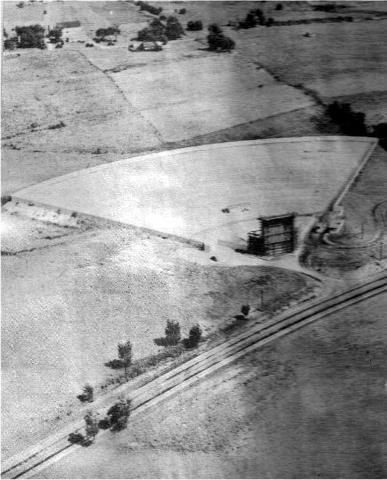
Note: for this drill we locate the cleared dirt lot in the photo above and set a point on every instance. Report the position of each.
(169, 192)
(312, 405)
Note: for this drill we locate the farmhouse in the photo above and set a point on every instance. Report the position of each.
(71, 30)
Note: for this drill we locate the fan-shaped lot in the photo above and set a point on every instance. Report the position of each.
(185, 192)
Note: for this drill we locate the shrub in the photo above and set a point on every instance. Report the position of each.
(105, 32)
(253, 18)
(115, 364)
(279, 6)
(87, 395)
(182, 11)
(326, 7)
(76, 438)
(5, 199)
(104, 424)
(57, 125)
(215, 29)
(195, 25)
(195, 335)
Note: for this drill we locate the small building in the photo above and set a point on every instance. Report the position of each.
(145, 47)
(276, 236)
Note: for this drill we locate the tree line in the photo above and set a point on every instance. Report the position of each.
(353, 123)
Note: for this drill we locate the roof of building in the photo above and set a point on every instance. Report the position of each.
(70, 24)
(277, 217)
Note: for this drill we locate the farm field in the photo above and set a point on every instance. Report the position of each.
(40, 92)
(333, 62)
(310, 405)
(169, 192)
(95, 130)
(99, 96)
(205, 94)
(68, 298)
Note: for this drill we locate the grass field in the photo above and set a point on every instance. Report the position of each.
(183, 192)
(68, 298)
(312, 405)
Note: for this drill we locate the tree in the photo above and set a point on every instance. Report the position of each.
(245, 310)
(31, 36)
(125, 354)
(195, 25)
(149, 8)
(350, 122)
(55, 35)
(174, 28)
(380, 130)
(249, 22)
(91, 427)
(10, 43)
(220, 43)
(172, 333)
(194, 337)
(119, 414)
(214, 29)
(279, 6)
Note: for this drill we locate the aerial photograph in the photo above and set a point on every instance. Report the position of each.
(193, 239)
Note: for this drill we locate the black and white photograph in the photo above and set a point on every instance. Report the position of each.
(193, 239)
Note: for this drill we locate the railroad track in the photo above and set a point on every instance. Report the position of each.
(35, 459)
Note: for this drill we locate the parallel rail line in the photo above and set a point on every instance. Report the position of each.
(37, 458)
